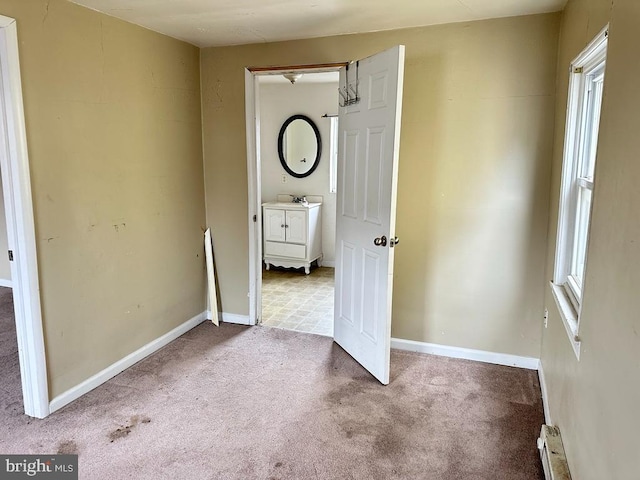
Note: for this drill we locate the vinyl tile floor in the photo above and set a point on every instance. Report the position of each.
(295, 301)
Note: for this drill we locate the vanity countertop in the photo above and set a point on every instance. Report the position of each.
(290, 205)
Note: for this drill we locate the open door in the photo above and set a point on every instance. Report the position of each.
(369, 140)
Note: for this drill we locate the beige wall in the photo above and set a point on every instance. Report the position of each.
(595, 400)
(475, 154)
(113, 128)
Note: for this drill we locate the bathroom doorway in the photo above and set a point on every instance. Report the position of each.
(297, 271)
(370, 114)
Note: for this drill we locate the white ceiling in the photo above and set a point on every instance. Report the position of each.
(208, 23)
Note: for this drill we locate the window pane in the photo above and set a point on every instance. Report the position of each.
(597, 85)
(580, 237)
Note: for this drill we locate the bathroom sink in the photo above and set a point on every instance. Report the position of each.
(289, 204)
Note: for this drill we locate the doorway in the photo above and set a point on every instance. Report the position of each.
(297, 293)
(370, 113)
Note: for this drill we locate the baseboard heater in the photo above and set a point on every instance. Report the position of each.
(554, 461)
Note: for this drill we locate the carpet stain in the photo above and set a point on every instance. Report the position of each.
(344, 392)
(334, 360)
(278, 464)
(388, 444)
(454, 464)
(125, 430)
(68, 447)
(363, 413)
(136, 419)
(119, 433)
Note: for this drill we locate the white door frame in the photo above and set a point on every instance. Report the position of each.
(16, 184)
(252, 111)
(253, 176)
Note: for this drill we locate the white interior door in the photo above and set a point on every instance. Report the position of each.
(369, 138)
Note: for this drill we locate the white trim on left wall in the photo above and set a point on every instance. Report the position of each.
(6, 283)
(111, 371)
(21, 235)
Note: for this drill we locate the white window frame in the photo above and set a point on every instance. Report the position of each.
(586, 77)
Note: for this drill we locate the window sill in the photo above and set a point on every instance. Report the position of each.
(569, 316)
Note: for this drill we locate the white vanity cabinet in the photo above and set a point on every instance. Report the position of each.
(292, 234)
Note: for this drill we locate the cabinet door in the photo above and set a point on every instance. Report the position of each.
(296, 226)
(274, 222)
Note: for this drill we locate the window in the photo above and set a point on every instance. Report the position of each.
(578, 169)
(333, 156)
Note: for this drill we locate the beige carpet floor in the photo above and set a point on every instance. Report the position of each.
(263, 403)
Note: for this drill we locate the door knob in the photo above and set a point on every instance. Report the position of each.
(394, 241)
(380, 241)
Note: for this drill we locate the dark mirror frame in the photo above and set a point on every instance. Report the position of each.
(283, 160)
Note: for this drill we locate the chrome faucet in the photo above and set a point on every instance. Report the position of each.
(297, 199)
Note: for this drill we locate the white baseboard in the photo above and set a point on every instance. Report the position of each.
(121, 365)
(545, 397)
(326, 263)
(235, 318)
(6, 283)
(529, 363)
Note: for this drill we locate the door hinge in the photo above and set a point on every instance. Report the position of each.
(255, 218)
(10, 255)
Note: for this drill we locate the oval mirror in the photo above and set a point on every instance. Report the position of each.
(299, 146)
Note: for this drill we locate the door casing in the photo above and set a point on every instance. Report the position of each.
(252, 113)
(16, 184)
